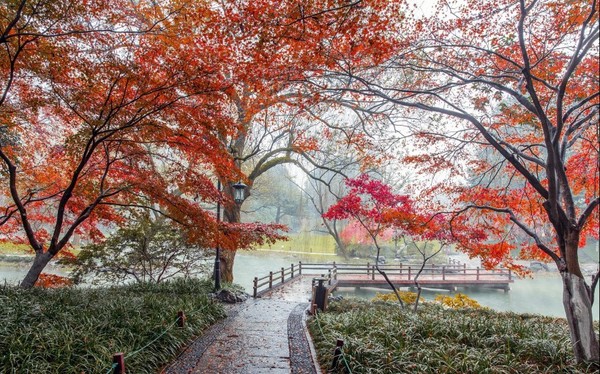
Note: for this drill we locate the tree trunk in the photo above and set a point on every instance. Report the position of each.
(39, 263)
(578, 308)
(227, 258)
(231, 213)
(341, 247)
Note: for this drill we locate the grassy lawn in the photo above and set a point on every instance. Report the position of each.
(77, 330)
(7, 248)
(380, 338)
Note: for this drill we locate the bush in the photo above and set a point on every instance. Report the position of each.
(75, 330)
(459, 301)
(406, 297)
(149, 249)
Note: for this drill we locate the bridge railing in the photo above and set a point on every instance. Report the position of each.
(395, 271)
(409, 271)
(275, 279)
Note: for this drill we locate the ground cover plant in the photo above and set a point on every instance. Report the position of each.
(77, 330)
(381, 338)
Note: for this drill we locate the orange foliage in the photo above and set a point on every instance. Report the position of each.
(512, 137)
(52, 281)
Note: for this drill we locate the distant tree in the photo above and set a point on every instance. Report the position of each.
(321, 190)
(275, 198)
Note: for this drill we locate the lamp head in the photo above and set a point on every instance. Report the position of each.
(239, 190)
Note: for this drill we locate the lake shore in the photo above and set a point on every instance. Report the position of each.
(541, 294)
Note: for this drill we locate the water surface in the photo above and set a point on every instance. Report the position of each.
(541, 294)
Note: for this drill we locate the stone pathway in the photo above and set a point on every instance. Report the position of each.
(265, 335)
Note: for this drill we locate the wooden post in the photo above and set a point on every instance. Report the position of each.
(443, 273)
(336, 354)
(270, 279)
(282, 275)
(409, 269)
(119, 359)
(329, 276)
(465, 268)
(292, 266)
(477, 272)
(255, 288)
(400, 268)
(181, 319)
(368, 269)
(509, 274)
(313, 308)
(299, 267)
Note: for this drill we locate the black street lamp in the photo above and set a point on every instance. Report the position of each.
(238, 196)
(239, 192)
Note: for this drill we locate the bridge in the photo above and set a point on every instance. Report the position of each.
(450, 277)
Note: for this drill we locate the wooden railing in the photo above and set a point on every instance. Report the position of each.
(396, 272)
(409, 271)
(275, 279)
(403, 269)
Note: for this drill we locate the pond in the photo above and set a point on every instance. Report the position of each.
(541, 294)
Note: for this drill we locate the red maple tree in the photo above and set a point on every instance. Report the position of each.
(372, 204)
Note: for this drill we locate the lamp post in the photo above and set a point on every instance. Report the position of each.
(238, 196)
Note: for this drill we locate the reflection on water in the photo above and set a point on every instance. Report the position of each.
(12, 273)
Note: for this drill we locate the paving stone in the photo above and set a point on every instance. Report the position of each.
(265, 335)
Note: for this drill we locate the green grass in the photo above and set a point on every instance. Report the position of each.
(380, 338)
(76, 330)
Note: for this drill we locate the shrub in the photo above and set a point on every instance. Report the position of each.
(53, 281)
(406, 297)
(148, 249)
(458, 301)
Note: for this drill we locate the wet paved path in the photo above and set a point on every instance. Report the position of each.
(265, 335)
